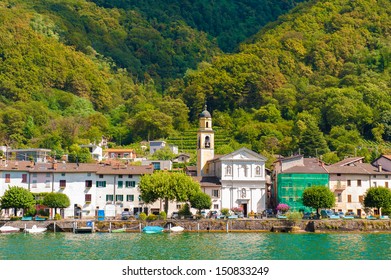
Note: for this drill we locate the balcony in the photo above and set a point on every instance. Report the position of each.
(339, 187)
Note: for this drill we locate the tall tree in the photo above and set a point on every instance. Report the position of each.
(169, 186)
(56, 200)
(318, 197)
(17, 197)
(378, 197)
(201, 201)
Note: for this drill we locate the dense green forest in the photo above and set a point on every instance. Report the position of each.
(315, 81)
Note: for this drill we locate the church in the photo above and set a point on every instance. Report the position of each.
(234, 180)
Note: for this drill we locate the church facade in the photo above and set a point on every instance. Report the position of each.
(234, 180)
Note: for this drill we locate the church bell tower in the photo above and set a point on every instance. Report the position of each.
(205, 143)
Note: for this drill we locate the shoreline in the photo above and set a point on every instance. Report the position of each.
(217, 226)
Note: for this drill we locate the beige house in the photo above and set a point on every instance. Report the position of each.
(349, 179)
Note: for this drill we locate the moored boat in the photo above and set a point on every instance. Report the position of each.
(35, 229)
(153, 229)
(117, 230)
(9, 229)
(176, 229)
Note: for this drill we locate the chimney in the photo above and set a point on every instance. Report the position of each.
(380, 168)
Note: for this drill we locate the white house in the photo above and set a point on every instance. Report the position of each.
(90, 187)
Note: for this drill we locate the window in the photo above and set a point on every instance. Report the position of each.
(339, 197)
(386, 184)
(119, 176)
(34, 175)
(8, 178)
(207, 142)
(119, 197)
(228, 170)
(101, 184)
(130, 176)
(88, 183)
(100, 176)
(129, 197)
(109, 197)
(120, 184)
(375, 184)
(140, 199)
(361, 198)
(47, 184)
(63, 174)
(338, 174)
(89, 174)
(63, 183)
(245, 170)
(156, 165)
(24, 178)
(215, 206)
(358, 183)
(349, 183)
(215, 193)
(130, 184)
(207, 124)
(349, 198)
(87, 198)
(258, 171)
(34, 184)
(47, 175)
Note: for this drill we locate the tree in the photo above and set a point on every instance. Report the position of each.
(168, 186)
(17, 197)
(201, 201)
(56, 200)
(378, 197)
(318, 197)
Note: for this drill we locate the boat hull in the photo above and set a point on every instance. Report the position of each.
(35, 229)
(152, 229)
(177, 229)
(9, 229)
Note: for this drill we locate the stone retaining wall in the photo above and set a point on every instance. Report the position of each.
(262, 225)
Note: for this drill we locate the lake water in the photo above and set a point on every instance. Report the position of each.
(196, 246)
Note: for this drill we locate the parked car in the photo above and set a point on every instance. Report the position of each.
(268, 213)
(175, 215)
(327, 213)
(340, 214)
(309, 216)
(125, 215)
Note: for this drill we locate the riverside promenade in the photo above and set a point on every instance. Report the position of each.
(214, 225)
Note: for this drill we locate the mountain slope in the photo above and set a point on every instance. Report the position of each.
(325, 65)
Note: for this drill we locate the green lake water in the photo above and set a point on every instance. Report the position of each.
(196, 246)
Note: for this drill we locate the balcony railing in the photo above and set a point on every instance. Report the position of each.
(339, 187)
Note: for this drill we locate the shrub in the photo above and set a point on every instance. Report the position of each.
(185, 211)
(282, 207)
(152, 217)
(57, 217)
(142, 216)
(225, 212)
(163, 215)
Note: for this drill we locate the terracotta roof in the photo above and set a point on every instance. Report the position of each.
(311, 165)
(76, 168)
(346, 161)
(357, 168)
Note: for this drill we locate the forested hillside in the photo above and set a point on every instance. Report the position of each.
(315, 81)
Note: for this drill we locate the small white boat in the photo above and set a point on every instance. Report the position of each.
(176, 229)
(35, 229)
(9, 229)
